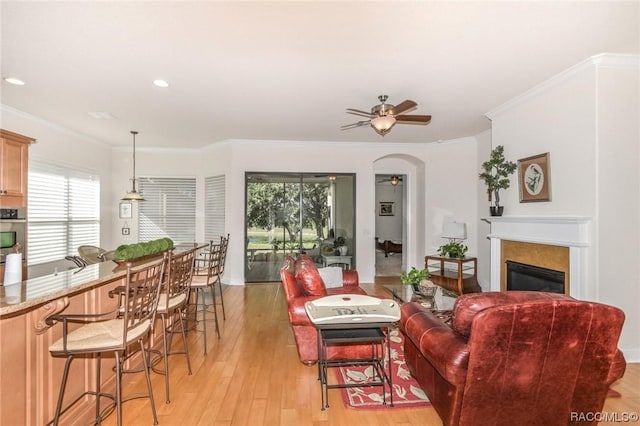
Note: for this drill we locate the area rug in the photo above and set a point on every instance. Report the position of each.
(406, 391)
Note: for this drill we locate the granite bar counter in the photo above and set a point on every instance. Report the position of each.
(33, 293)
(29, 376)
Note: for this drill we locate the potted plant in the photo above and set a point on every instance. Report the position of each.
(453, 249)
(340, 244)
(414, 277)
(496, 176)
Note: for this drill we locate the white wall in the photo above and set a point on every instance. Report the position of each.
(451, 191)
(359, 158)
(587, 118)
(484, 228)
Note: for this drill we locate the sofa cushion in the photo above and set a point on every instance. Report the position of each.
(331, 276)
(287, 275)
(310, 281)
(468, 305)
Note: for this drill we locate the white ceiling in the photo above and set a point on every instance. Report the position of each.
(287, 71)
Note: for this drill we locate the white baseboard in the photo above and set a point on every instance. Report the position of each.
(631, 355)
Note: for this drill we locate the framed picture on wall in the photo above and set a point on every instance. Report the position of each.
(386, 208)
(126, 211)
(534, 180)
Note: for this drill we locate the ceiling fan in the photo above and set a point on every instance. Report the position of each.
(394, 180)
(384, 116)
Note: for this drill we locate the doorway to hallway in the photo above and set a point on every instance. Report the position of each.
(390, 224)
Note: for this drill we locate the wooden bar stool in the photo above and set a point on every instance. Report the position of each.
(206, 275)
(112, 332)
(172, 309)
(224, 244)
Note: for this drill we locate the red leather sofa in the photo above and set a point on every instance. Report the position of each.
(302, 283)
(515, 358)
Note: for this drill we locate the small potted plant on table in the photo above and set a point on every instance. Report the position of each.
(453, 249)
(414, 277)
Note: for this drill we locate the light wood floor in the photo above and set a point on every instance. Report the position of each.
(252, 376)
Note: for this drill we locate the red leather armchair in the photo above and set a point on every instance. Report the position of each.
(515, 358)
(302, 283)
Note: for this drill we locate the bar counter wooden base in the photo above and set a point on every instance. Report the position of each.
(29, 376)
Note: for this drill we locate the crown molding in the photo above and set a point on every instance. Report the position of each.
(602, 60)
(19, 113)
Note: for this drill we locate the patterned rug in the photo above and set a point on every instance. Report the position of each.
(406, 391)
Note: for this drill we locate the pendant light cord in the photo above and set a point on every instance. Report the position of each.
(134, 133)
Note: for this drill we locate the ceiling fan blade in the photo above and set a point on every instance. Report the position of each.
(403, 107)
(357, 111)
(360, 114)
(354, 125)
(413, 119)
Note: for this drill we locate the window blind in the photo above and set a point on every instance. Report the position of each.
(214, 187)
(169, 209)
(63, 212)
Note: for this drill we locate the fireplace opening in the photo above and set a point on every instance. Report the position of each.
(521, 276)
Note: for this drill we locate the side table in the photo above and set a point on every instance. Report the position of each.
(370, 334)
(454, 274)
(345, 261)
(354, 319)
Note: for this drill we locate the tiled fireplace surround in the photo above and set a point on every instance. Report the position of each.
(554, 242)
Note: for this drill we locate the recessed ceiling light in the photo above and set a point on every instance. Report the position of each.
(160, 83)
(14, 80)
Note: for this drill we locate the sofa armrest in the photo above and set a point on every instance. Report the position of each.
(446, 350)
(297, 313)
(618, 366)
(350, 278)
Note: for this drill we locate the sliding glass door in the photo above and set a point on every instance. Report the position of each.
(291, 213)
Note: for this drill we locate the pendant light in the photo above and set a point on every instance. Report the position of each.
(133, 195)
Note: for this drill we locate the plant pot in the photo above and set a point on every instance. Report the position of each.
(343, 250)
(496, 211)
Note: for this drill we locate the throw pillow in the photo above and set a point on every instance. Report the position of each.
(310, 281)
(331, 276)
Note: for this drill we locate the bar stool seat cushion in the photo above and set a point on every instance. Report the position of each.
(173, 302)
(99, 336)
(199, 281)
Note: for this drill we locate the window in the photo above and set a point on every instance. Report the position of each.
(169, 209)
(214, 207)
(64, 212)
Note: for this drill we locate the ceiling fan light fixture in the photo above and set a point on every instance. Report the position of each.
(395, 180)
(133, 195)
(383, 124)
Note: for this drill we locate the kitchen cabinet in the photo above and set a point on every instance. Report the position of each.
(14, 162)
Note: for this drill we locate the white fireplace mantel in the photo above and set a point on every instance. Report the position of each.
(565, 231)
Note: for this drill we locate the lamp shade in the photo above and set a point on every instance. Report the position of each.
(454, 230)
(383, 124)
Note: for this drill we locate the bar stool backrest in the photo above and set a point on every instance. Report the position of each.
(224, 244)
(208, 262)
(179, 273)
(141, 295)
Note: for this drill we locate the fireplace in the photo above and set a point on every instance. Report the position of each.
(560, 243)
(521, 276)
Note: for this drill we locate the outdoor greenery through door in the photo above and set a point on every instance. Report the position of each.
(289, 213)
